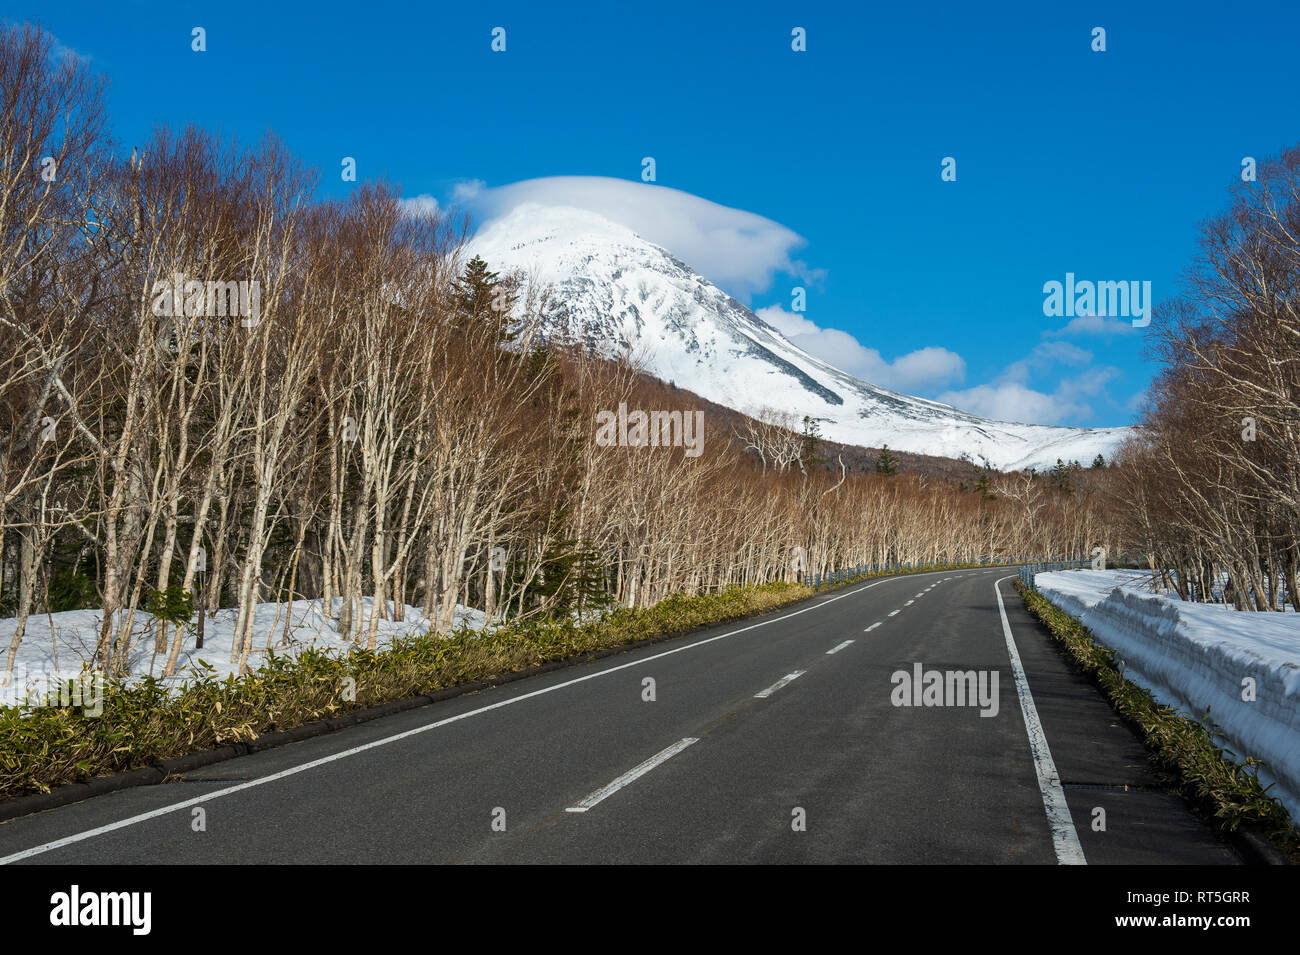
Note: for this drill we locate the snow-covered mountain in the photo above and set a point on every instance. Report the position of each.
(623, 295)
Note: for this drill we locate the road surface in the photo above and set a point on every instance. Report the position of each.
(772, 740)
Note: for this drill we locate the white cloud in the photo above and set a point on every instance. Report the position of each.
(59, 53)
(1094, 325)
(467, 190)
(739, 251)
(927, 368)
(922, 370)
(1137, 403)
(787, 323)
(1044, 356)
(1013, 401)
(1009, 396)
(420, 204)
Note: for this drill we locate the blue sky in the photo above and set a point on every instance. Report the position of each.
(828, 160)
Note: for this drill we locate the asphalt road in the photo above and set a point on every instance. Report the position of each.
(733, 760)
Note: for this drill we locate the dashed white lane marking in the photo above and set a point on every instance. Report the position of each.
(764, 694)
(1065, 840)
(838, 648)
(894, 613)
(633, 774)
(872, 627)
(908, 603)
(406, 734)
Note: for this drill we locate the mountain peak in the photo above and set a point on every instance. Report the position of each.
(618, 294)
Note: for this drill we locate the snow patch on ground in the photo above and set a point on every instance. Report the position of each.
(56, 646)
(1195, 656)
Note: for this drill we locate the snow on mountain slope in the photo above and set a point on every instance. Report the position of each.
(620, 295)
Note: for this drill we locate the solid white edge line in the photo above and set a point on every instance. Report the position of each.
(344, 754)
(838, 648)
(1065, 840)
(764, 694)
(633, 774)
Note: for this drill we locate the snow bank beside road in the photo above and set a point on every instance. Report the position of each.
(46, 654)
(1199, 656)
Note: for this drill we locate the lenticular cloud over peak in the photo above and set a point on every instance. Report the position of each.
(739, 251)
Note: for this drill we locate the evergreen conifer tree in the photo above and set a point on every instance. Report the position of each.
(481, 295)
(886, 463)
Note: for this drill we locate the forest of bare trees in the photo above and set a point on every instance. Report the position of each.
(1212, 481)
(219, 390)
